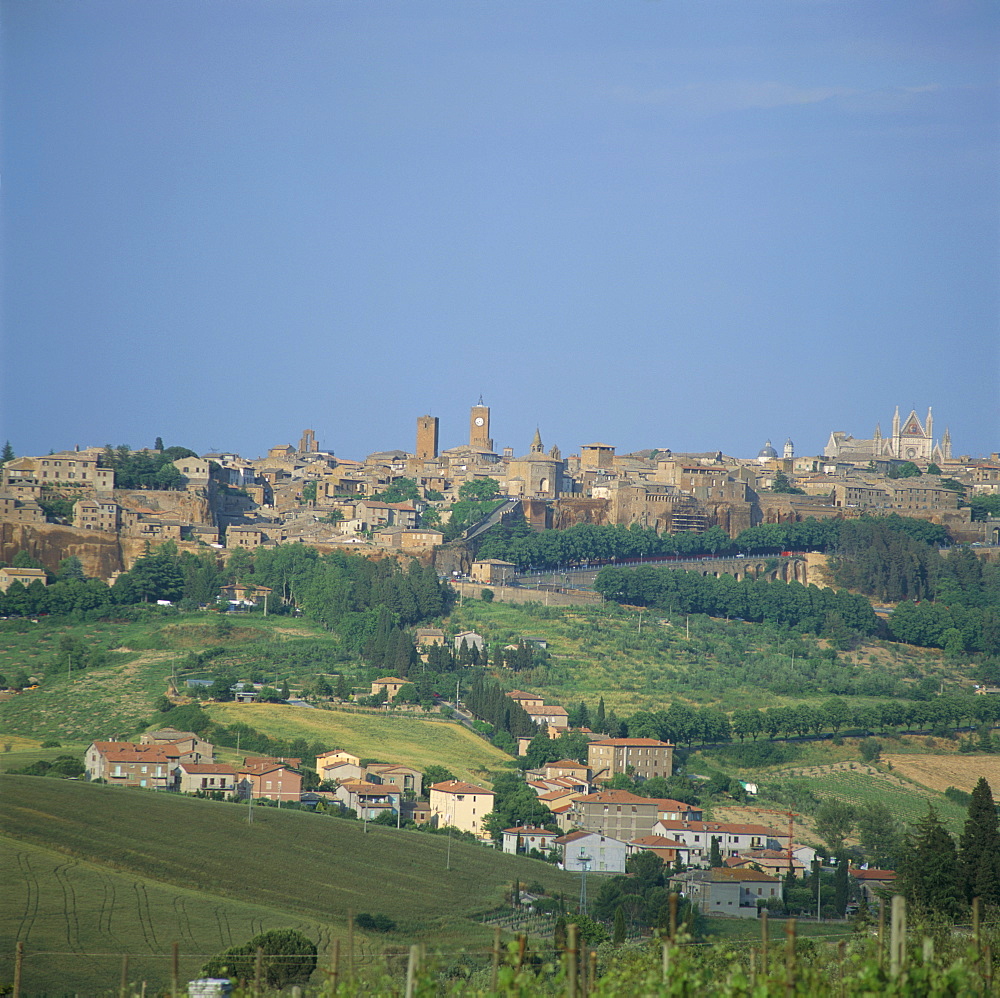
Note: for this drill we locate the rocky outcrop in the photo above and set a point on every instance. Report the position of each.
(188, 507)
(100, 553)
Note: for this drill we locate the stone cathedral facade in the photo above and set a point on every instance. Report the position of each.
(910, 440)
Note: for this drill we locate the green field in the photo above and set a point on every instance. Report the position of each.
(94, 871)
(599, 652)
(390, 738)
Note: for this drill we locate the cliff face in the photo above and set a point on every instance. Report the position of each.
(188, 507)
(101, 553)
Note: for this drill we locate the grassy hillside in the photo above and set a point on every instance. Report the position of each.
(99, 870)
(907, 781)
(601, 652)
(391, 738)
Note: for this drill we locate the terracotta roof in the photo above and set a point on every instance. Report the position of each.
(573, 836)
(630, 741)
(557, 794)
(719, 874)
(363, 787)
(547, 710)
(458, 787)
(565, 764)
(389, 679)
(129, 752)
(657, 841)
(208, 767)
(872, 874)
(531, 830)
(615, 797)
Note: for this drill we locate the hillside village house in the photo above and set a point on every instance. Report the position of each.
(471, 639)
(392, 685)
(124, 764)
(273, 782)
(593, 851)
(641, 757)
(615, 813)
(25, 576)
(733, 839)
(368, 800)
(526, 700)
(408, 781)
(550, 717)
(527, 837)
(427, 637)
(461, 805)
(491, 572)
(207, 777)
(188, 744)
(732, 893)
(669, 850)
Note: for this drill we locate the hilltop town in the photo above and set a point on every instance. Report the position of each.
(355, 597)
(102, 504)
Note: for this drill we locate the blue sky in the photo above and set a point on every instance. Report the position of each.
(653, 224)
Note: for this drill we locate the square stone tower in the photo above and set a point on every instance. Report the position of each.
(479, 427)
(427, 438)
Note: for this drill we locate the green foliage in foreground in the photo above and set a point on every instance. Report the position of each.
(286, 957)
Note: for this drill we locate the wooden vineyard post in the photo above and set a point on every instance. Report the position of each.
(123, 984)
(350, 946)
(763, 942)
(495, 958)
(335, 965)
(18, 968)
(897, 936)
(790, 958)
(571, 955)
(412, 969)
(175, 973)
(881, 933)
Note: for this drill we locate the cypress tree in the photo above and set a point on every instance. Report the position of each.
(979, 848)
(599, 721)
(619, 931)
(715, 854)
(929, 875)
(840, 886)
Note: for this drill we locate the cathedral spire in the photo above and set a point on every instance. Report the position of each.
(536, 443)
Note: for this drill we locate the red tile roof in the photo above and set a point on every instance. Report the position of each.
(458, 787)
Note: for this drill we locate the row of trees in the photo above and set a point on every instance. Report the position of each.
(686, 725)
(807, 608)
(585, 543)
(487, 700)
(891, 564)
(145, 469)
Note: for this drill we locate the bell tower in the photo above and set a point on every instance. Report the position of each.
(479, 427)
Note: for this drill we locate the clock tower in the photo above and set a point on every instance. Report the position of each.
(479, 427)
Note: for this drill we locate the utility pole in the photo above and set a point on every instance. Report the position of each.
(584, 868)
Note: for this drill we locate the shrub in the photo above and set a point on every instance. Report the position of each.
(51, 744)
(289, 958)
(374, 923)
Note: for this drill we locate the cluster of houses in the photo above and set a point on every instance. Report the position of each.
(598, 828)
(169, 759)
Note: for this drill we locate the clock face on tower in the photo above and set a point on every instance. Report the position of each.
(479, 420)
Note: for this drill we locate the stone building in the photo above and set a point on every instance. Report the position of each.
(910, 440)
(536, 474)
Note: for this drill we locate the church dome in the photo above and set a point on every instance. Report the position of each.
(767, 452)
